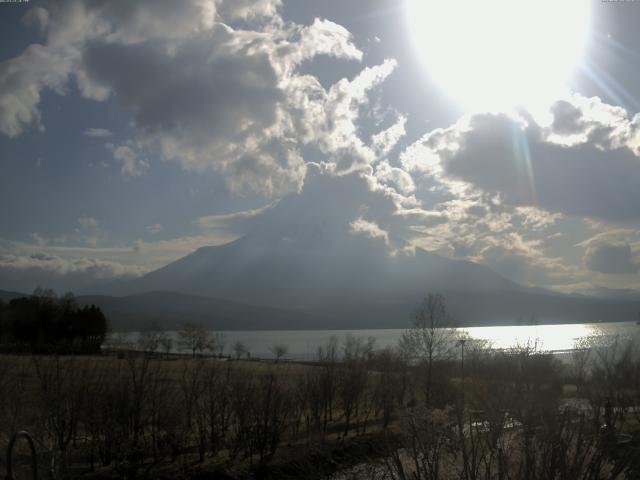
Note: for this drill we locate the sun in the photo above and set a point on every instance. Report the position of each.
(493, 54)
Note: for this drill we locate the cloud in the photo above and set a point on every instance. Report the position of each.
(72, 263)
(220, 85)
(337, 131)
(397, 177)
(133, 163)
(24, 273)
(89, 231)
(155, 228)
(233, 224)
(332, 210)
(369, 229)
(88, 223)
(209, 84)
(62, 266)
(324, 37)
(612, 251)
(97, 132)
(383, 142)
(23, 78)
(611, 259)
(153, 254)
(585, 163)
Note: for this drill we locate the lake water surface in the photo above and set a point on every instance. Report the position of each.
(303, 344)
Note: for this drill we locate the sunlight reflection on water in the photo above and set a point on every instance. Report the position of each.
(545, 337)
(303, 344)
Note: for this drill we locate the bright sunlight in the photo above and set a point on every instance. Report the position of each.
(497, 54)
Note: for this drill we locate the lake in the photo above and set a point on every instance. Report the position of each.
(303, 344)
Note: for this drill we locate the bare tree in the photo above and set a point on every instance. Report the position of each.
(422, 450)
(192, 388)
(194, 338)
(580, 358)
(59, 395)
(279, 350)
(218, 344)
(270, 409)
(352, 379)
(166, 342)
(328, 357)
(149, 339)
(217, 404)
(388, 384)
(239, 349)
(431, 338)
(611, 376)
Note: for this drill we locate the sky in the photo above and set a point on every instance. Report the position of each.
(133, 133)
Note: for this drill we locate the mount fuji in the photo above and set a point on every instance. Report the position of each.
(303, 257)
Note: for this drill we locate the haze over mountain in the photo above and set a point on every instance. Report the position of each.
(316, 257)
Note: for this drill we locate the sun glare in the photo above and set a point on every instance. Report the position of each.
(494, 54)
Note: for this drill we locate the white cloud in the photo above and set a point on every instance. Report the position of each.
(133, 163)
(155, 228)
(383, 142)
(396, 177)
(324, 37)
(63, 266)
(72, 263)
(24, 77)
(88, 223)
(338, 136)
(25, 272)
(150, 255)
(233, 224)
(369, 229)
(97, 132)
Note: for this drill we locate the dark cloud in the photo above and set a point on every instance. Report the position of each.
(583, 165)
(567, 118)
(611, 259)
(203, 89)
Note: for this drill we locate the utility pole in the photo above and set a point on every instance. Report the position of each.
(462, 341)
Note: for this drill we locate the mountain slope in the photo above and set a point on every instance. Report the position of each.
(360, 286)
(313, 253)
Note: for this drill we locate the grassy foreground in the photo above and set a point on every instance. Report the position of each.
(359, 414)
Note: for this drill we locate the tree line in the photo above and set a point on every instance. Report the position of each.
(46, 323)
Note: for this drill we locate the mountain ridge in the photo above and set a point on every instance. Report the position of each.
(379, 294)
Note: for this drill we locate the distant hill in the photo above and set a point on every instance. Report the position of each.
(8, 296)
(170, 310)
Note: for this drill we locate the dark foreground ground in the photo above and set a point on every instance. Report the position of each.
(363, 414)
